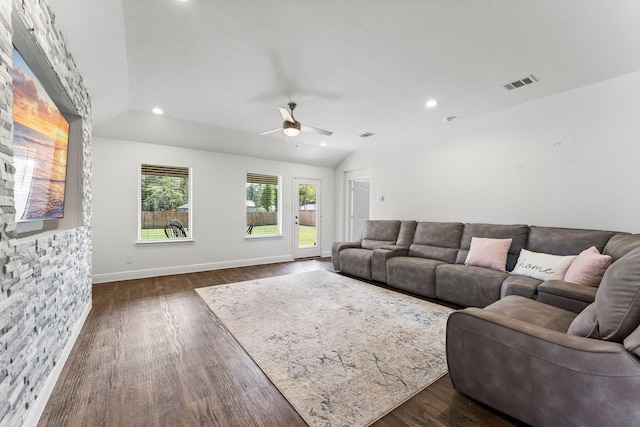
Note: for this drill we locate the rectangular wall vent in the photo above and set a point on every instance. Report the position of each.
(521, 82)
(366, 134)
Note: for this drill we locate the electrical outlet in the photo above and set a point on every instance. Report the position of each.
(128, 259)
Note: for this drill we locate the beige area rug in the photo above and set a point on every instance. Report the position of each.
(342, 352)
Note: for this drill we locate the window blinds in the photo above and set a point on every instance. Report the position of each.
(160, 170)
(257, 178)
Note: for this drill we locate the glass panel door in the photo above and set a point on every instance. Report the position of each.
(307, 218)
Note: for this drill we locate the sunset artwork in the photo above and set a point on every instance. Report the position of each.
(40, 141)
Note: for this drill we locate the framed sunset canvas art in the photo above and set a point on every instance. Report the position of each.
(40, 143)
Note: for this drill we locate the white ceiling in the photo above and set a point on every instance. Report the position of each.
(219, 69)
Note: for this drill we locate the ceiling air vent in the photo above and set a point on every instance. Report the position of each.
(520, 83)
(367, 134)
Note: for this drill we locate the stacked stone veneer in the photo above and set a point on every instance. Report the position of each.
(45, 282)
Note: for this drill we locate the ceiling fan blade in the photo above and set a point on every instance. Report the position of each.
(304, 128)
(271, 131)
(286, 116)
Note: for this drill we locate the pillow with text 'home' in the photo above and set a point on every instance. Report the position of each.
(490, 253)
(542, 266)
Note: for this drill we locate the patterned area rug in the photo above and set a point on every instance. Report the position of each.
(342, 352)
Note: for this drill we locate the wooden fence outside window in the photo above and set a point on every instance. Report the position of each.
(159, 219)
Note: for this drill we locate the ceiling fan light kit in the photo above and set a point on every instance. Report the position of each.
(291, 127)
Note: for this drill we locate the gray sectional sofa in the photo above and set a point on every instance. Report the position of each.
(427, 259)
(544, 352)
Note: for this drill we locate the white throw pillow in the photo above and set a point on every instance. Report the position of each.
(542, 266)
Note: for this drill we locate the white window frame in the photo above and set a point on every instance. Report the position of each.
(278, 234)
(164, 240)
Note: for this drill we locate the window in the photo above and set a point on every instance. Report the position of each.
(165, 203)
(263, 205)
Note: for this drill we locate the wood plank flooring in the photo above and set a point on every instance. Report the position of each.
(152, 354)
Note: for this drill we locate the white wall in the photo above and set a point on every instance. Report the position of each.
(219, 221)
(570, 160)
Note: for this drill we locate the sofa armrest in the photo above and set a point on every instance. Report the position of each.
(520, 285)
(337, 247)
(380, 257)
(533, 373)
(566, 295)
(529, 331)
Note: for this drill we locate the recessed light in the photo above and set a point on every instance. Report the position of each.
(431, 103)
(157, 110)
(323, 144)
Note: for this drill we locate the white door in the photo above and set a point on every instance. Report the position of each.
(359, 195)
(307, 218)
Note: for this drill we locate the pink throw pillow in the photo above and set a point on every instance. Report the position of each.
(588, 268)
(491, 253)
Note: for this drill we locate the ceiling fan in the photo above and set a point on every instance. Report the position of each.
(292, 127)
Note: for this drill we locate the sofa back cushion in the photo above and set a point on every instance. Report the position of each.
(566, 241)
(407, 231)
(621, 244)
(517, 232)
(617, 302)
(380, 232)
(437, 240)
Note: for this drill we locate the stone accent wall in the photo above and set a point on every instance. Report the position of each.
(45, 282)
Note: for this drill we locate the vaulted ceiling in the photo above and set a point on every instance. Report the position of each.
(220, 69)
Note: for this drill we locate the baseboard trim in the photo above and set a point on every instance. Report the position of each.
(182, 269)
(34, 414)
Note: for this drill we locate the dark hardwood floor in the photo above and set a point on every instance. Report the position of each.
(152, 354)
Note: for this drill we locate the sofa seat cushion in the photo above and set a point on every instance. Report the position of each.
(533, 312)
(356, 262)
(520, 285)
(467, 285)
(337, 247)
(413, 274)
